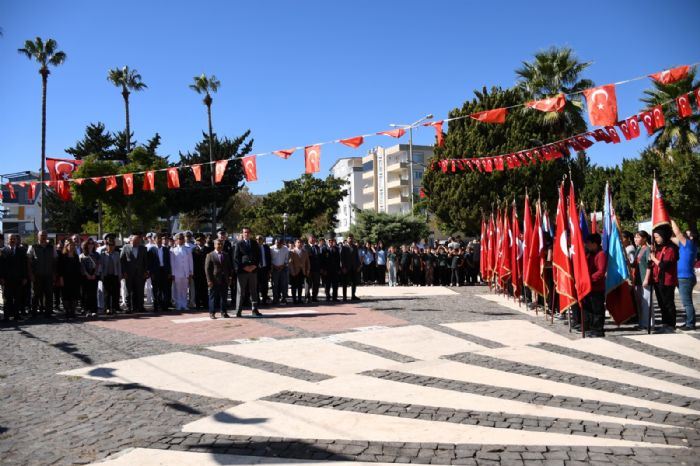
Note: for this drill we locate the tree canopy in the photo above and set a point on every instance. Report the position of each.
(392, 229)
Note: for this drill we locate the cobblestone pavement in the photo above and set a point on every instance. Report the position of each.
(81, 392)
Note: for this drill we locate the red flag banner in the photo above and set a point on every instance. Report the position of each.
(482, 250)
(648, 120)
(600, 136)
(250, 168)
(602, 105)
(683, 104)
(633, 126)
(111, 182)
(61, 169)
(79, 181)
(672, 75)
(353, 142)
(659, 119)
(285, 153)
(63, 190)
(11, 190)
(31, 191)
(394, 133)
(220, 170)
(197, 171)
(659, 214)
(173, 178)
(312, 158)
(552, 104)
(563, 275)
(612, 134)
(48, 184)
(577, 252)
(532, 276)
(128, 184)
(438, 131)
(497, 115)
(515, 254)
(149, 181)
(95, 179)
(625, 130)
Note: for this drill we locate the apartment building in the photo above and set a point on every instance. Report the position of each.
(387, 177)
(350, 170)
(19, 215)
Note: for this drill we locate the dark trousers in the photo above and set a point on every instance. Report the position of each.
(42, 300)
(110, 287)
(454, 277)
(201, 292)
(263, 283)
(331, 284)
(162, 290)
(134, 292)
(380, 274)
(297, 284)
(403, 276)
(594, 307)
(368, 273)
(217, 298)
(13, 297)
(350, 278)
(312, 283)
(667, 304)
(416, 276)
(89, 295)
(445, 275)
(247, 289)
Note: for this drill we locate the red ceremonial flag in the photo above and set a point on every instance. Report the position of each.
(600, 136)
(394, 133)
(497, 115)
(594, 222)
(79, 181)
(532, 275)
(11, 189)
(658, 114)
(625, 130)
(31, 191)
(173, 178)
(353, 142)
(312, 158)
(527, 232)
(576, 252)
(506, 263)
(612, 134)
(633, 126)
(438, 131)
(515, 254)
(149, 181)
(61, 169)
(220, 170)
(552, 104)
(63, 190)
(659, 214)
(683, 104)
(499, 244)
(95, 179)
(602, 105)
(672, 75)
(491, 249)
(482, 250)
(111, 182)
(648, 120)
(286, 153)
(128, 184)
(197, 171)
(250, 168)
(563, 276)
(498, 162)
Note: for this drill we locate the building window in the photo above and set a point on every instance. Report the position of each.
(368, 166)
(417, 175)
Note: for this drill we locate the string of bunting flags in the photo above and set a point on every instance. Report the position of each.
(602, 110)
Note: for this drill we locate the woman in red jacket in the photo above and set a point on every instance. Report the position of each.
(663, 267)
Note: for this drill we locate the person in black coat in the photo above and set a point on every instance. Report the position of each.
(134, 259)
(313, 280)
(264, 269)
(199, 255)
(330, 269)
(16, 276)
(228, 249)
(246, 257)
(69, 278)
(161, 274)
(350, 265)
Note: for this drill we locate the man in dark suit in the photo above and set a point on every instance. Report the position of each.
(199, 255)
(313, 280)
(350, 264)
(246, 257)
(16, 276)
(330, 269)
(161, 273)
(264, 269)
(228, 249)
(217, 267)
(134, 259)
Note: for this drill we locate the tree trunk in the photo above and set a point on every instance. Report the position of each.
(208, 101)
(125, 94)
(44, 80)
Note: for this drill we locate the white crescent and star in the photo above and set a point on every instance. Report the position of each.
(250, 168)
(595, 93)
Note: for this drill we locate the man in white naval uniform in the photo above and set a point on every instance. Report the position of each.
(189, 244)
(181, 263)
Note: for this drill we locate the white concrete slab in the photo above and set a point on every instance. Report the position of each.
(403, 291)
(676, 342)
(312, 354)
(541, 358)
(370, 388)
(190, 373)
(506, 302)
(476, 374)
(153, 457)
(509, 332)
(413, 340)
(266, 418)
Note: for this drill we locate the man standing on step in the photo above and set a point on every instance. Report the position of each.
(350, 264)
(246, 257)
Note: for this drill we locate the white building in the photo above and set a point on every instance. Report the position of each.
(350, 170)
(20, 215)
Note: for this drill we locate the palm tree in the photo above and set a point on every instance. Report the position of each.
(555, 71)
(128, 80)
(679, 133)
(206, 85)
(45, 54)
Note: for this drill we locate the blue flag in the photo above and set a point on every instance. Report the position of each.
(583, 224)
(617, 271)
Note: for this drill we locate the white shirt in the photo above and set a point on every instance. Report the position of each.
(280, 256)
(181, 262)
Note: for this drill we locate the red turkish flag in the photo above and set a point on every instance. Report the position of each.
(491, 258)
(683, 104)
(128, 184)
(438, 131)
(31, 191)
(563, 275)
(625, 130)
(532, 275)
(552, 104)
(612, 134)
(11, 190)
(506, 248)
(600, 135)
(353, 142)
(633, 126)
(497, 115)
(395, 133)
(488, 165)
(672, 75)
(659, 119)
(173, 178)
(312, 158)
(527, 233)
(111, 182)
(577, 252)
(95, 179)
(149, 181)
(285, 153)
(516, 262)
(659, 214)
(648, 120)
(602, 105)
(482, 250)
(585, 143)
(63, 190)
(250, 168)
(61, 169)
(220, 170)
(197, 171)
(79, 181)
(498, 161)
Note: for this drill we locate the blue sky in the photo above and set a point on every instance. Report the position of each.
(300, 72)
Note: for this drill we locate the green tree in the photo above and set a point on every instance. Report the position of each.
(96, 141)
(311, 204)
(128, 80)
(678, 134)
(392, 229)
(232, 211)
(45, 53)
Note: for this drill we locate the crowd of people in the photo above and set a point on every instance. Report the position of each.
(91, 277)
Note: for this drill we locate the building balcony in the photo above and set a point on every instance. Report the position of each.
(368, 205)
(368, 175)
(368, 190)
(397, 200)
(397, 183)
(396, 166)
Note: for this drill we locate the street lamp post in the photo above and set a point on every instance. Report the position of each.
(285, 219)
(410, 150)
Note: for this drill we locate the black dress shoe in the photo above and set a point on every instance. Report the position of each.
(355, 298)
(238, 313)
(225, 315)
(257, 313)
(212, 316)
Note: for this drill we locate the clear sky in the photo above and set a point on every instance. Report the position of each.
(299, 72)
